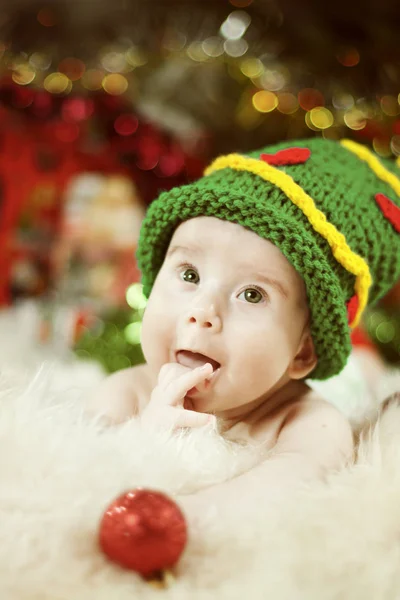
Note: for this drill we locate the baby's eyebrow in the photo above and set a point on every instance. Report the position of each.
(180, 248)
(273, 283)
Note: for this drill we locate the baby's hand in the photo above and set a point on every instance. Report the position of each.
(165, 409)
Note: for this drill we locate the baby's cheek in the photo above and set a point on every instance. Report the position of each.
(154, 331)
(269, 359)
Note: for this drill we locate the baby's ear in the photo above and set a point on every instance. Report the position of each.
(305, 360)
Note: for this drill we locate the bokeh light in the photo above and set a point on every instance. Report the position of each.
(23, 74)
(113, 61)
(57, 83)
(385, 332)
(342, 101)
(170, 164)
(77, 109)
(40, 61)
(390, 106)
(236, 48)
(348, 57)
(274, 79)
(310, 98)
(381, 146)
(287, 103)
(309, 123)
(321, 118)
(252, 67)
(132, 332)
(395, 145)
(126, 124)
(92, 79)
(73, 68)
(196, 52)
(213, 46)
(235, 25)
(174, 41)
(135, 297)
(355, 119)
(265, 101)
(136, 57)
(115, 84)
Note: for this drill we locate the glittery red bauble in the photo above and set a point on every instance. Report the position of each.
(143, 530)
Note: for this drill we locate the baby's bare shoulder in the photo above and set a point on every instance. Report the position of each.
(311, 408)
(314, 426)
(121, 395)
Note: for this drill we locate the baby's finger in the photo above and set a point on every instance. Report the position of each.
(190, 418)
(178, 389)
(170, 371)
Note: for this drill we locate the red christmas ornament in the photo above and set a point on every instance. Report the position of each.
(286, 157)
(143, 530)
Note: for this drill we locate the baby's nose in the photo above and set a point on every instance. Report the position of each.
(206, 318)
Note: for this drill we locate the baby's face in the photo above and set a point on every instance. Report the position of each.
(228, 294)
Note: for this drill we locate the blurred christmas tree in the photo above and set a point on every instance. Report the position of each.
(114, 342)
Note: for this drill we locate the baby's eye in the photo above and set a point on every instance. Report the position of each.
(252, 295)
(190, 275)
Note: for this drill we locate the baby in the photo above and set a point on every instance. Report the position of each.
(256, 275)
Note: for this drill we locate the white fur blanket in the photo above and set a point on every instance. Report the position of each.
(58, 472)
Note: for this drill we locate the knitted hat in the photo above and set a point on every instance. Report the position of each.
(332, 208)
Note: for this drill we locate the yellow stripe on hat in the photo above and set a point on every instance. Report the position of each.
(351, 261)
(374, 163)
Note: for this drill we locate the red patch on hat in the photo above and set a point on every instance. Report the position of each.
(352, 308)
(289, 156)
(391, 212)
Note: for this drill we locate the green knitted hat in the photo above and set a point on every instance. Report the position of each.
(332, 208)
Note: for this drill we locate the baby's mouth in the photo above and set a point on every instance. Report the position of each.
(195, 359)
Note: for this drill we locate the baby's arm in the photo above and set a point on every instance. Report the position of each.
(116, 398)
(315, 439)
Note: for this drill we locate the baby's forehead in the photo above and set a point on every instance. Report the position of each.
(225, 238)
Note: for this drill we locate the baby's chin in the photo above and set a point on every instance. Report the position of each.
(194, 400)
